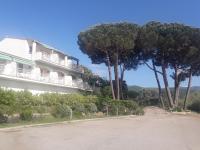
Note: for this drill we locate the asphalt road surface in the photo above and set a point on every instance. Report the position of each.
(156, 130)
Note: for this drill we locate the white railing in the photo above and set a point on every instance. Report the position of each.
(46, 57)
(23, 73)
(76, 67)
(61, 81)
(26, 74)
(77, 84)
(45, 79)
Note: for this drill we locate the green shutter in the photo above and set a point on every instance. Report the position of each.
(23, 61)
(5, 57)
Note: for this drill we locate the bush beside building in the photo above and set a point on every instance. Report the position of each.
(28, 107)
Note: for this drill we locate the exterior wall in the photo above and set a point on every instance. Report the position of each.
(34, 54)
(15, 47)
(35, 88)
(29, 77)
(10, 68)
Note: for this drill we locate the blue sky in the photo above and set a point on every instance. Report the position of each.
(58, 22)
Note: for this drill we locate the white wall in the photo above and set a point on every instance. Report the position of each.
(10, 68)
(34, 54)
(54, 58)
(68, 80)
(35, 88)
(36, 73)
(15, 47)
(53, 76)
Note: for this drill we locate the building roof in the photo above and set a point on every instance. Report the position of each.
(29, 40)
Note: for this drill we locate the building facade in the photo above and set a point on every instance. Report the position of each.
(31, 65)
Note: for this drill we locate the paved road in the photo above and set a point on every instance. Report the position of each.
(157, 130)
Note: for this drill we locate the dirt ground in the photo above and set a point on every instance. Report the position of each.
(156, 130)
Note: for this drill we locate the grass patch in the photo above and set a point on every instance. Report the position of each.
(46, 119)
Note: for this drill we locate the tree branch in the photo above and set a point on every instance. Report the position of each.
(150, 67)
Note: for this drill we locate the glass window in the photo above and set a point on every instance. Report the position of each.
(30, 49)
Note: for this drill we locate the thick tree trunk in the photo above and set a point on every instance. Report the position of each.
(110, 76)
(188, 89)
(121, 81)
(167, 89)
(116, 76)
(159, 86)
(176, 86)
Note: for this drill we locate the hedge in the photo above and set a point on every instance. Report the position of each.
(59, 105)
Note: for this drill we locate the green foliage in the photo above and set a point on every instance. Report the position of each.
(3, 118)
(103, 102)
(132, 94)
(61, 111)
(78, 107)
(59, 105)
(90, 108)
(26, 115)
(195, 106)
(106, 91)
(122, 107)
(7, 97)
(7, 101)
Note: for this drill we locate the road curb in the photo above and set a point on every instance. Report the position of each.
(63, 122)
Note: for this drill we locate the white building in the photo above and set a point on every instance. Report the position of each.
(30, 65)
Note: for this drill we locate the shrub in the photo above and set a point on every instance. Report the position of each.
(3, 118)
(177, 109)
(61, 111)
(102, 103)
(124, 107)
(7, 97)
(195, 106)
(138, 111)
(24, 98)
(79, 107)
(91, 108)
(26, 115)
(42, 109)
(122, 110)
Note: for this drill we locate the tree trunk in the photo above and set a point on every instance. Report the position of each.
(116, 76)
(188, 89)
(167, 89)
(176, 86)
(110, 76)
(121, 81)
(159, 86)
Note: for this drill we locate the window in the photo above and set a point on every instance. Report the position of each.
(30, 49)
(60, 75)
(22, 68)
(44, 72)
(2, 65)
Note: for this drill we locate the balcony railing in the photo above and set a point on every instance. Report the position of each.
(61, 81)
(77, 84)
(23, 73)
(26, 74)
(46, 57)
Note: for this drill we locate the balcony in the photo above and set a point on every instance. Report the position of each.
(2, 66)
(77, 84)
(46, 57)
(25, 74)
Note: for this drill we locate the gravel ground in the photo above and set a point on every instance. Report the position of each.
(156, 130)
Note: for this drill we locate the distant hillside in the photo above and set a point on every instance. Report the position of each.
(139, 88)
(135, 88)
